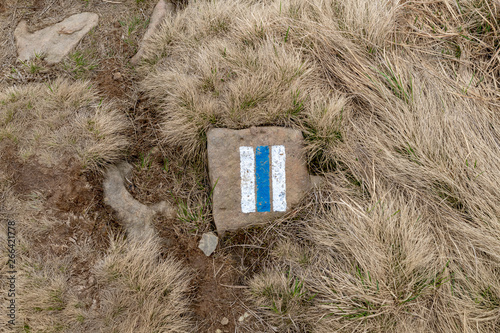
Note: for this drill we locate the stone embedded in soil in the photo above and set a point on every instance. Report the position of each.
(259, 174)
(55, 41)
(135, 216)
(117, 76)
(243, 317)
(208, 243)
(161, 9)
(224, 321)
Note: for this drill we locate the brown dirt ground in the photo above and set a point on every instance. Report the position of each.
(68, 196)
(77, 197)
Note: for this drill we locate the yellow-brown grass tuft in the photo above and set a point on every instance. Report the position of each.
(61, 120)
(141, 292)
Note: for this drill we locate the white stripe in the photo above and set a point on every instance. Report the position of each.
(279, 179)
(247, 172)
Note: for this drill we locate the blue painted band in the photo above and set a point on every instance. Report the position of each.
(262, 175)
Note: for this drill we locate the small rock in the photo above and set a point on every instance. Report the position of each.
(224, 321)
(243, 317)
(117, 76)
(208, 243)
(55, 41)
(218, 331)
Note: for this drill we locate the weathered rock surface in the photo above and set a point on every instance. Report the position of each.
(135, 216)
(161, 9)
(247, 190)
(208, 243)
(55, 41)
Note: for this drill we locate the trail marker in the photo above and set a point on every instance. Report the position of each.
(259, 173)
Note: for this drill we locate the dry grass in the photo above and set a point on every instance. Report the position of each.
(220, 76)
(130, 288)
(74, 286)
(49, 295)
(137, 291)
(141, 292)
(398, 102)
(59, 120)
(46, 302)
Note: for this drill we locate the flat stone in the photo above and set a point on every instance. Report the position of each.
(161, 10)
(224, 321)
(259, 174)
(55, 41)
(135, 216)
(208, 243)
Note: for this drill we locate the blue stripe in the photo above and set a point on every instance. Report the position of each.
(262, 176)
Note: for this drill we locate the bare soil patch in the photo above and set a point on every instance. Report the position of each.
(68, 194)
(216, 282)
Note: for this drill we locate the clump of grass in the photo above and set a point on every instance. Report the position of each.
(140, 292)
(233, 82)
(145, 161)
(283, 299)
(80, 63)
(59, 119)
(195, 213)
(33, 70)
(45, 301)
(322, 129)
(131, 26)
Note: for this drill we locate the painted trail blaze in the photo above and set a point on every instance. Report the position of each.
(262, 178)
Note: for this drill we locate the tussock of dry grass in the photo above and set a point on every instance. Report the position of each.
(46, 302)
(286, 300)
(211, 79)
(60, 120)
(141, 292)
(410, 267)
(49, 296)
(51, 123)
(398, 102)
(137, 291)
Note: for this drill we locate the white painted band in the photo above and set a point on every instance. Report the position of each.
(279, 178)
(247, 173)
